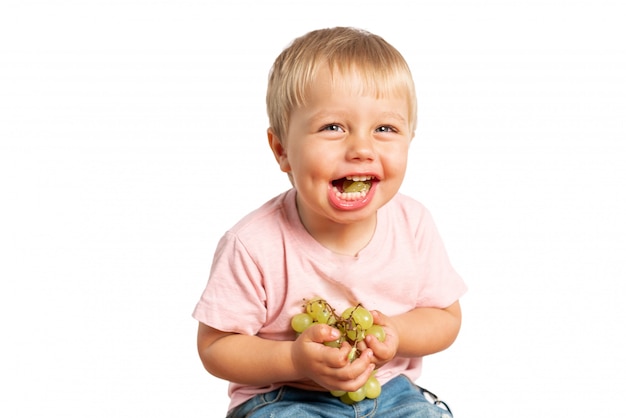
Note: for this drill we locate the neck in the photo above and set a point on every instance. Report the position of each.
(345, 239)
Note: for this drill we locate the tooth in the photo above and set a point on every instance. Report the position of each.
(360, 178)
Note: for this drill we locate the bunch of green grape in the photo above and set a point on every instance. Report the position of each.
(354, 324)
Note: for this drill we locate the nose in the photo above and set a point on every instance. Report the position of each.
(360, 147)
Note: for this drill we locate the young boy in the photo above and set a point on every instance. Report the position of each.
(342, 111)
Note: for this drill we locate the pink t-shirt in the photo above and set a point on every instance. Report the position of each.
(268, 263)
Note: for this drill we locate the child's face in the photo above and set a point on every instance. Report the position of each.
(346, 151)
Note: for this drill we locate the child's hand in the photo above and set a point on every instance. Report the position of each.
(330, 367)
(383, 351)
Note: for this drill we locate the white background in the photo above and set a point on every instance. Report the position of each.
(133, 134)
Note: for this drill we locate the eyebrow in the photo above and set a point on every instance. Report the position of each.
(395, 115)
(330, 114)
(323, 114)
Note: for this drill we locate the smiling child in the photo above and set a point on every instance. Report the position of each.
(342, 111)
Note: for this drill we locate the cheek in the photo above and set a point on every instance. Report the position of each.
(396, 159)
(312, 163)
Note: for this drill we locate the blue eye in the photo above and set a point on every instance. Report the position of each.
(385, 129)
(332, 127)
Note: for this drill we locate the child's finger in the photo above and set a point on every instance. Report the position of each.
(322, 333)
(354, 376)
(378, 317)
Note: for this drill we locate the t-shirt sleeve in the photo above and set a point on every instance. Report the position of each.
(234, 297)
(442, 285)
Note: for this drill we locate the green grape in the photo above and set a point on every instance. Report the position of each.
(356, 334)
(301, 321)
(377, 331)
(353, 354)
(322, 316)
(319, 310)
(308, 306)
(358, 395)
(354, 324)
(347, 313)
(352, 330)
(372, 387)
(350, 186)
(362, 317)
(345, 398)
(336, 343)
(357, 320)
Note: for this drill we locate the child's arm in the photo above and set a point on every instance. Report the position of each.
(256, 361)
(417, 333)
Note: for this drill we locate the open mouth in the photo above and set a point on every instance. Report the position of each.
(352, 187)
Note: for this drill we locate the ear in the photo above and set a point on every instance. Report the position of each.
(280, 152)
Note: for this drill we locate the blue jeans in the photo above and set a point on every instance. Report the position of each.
(400, 398)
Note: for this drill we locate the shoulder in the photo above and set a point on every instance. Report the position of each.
(407, 202)
(407, 208)
(265, 218)
(407, 216)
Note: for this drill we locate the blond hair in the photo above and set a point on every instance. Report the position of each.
(343, 51)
